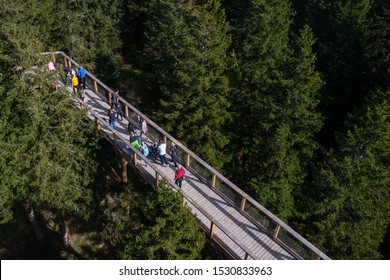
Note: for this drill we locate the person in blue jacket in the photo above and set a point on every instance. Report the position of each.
(82, 75)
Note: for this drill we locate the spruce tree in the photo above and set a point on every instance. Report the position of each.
(47, 159)
(185, 63)
(347, 212)
(78, 28)
(169, 230)
(275, 112)
(342, 32)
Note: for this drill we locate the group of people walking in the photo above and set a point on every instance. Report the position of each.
(77, 77)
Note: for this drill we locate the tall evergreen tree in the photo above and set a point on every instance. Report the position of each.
(46, 159)
(275, 111)
(378, 47)
(78, 28)
(342, 32)
(185, 62)
(169, 230)
(349, 204)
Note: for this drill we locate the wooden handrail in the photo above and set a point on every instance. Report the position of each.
(190, 155)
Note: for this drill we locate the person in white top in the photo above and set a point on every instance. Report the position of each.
(162, 150)
(144, 128)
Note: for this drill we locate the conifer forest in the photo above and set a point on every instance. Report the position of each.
(289, 99)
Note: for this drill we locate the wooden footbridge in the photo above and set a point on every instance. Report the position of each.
(235, 222)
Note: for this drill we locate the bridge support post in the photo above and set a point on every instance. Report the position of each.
(126, 111)
(157, 179)
(53, 56)
(188, 160)
(95, 86)
(116, 142)
(66, 62)
(124, 169)
(136, 163)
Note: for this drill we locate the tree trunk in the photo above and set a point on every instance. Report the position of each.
(34, 223)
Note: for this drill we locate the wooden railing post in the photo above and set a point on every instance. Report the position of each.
(184, 201)
(165, 139)
(95, 86)
(66, 62)
(212, 227)
(213, 180)
(127, 111)
(109, 97)
(124, 169)
(243, 202)
(53, 56)
(98, 124)
(70, 64)
(277, 229)
(188, 160)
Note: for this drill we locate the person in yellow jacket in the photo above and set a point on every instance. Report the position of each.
(75, 83)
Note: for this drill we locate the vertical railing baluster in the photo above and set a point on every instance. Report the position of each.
(277, 229)
(243, 202)
(213, 180)
(212, 226)
(98, 124)
(184, 201)
(95, 86)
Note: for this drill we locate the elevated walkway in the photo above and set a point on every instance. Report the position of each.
(235, 222)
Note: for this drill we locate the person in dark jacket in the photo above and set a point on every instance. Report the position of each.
(173, 153)
(111, 118)
(119, 111)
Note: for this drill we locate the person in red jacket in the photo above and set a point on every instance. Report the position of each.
(179, 175)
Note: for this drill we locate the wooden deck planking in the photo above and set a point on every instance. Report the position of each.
(240, 227)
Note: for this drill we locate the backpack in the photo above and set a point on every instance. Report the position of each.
(136, 144)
